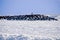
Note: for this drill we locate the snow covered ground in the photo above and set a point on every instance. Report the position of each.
(31, 29)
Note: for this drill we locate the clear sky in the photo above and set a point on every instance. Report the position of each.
(15, 7)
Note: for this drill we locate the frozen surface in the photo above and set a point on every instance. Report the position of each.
(32, 30)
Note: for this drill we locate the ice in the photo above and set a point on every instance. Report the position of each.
(30, 29)
(1, 37)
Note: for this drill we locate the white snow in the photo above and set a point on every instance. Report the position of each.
(42, 29)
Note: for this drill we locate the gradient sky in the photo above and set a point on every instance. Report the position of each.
(16, 7)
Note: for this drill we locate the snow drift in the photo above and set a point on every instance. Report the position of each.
(33, 30)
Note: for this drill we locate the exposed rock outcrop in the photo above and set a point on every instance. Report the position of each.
(28, 17)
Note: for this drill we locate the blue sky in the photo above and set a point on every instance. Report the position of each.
(16, 7)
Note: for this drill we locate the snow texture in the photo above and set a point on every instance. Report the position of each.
(30, 30)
